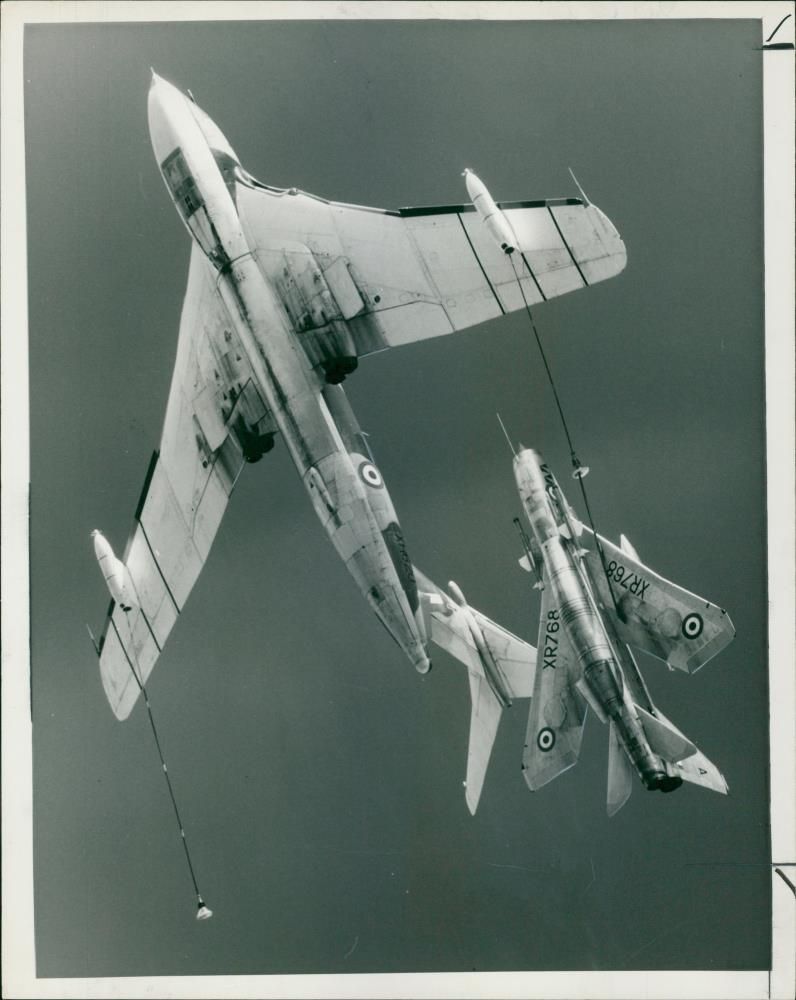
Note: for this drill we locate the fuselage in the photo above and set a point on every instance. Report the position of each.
(347, 490)
(605, 663)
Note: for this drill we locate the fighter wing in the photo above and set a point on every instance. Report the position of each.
(398, 277)
(558, 710)
(654, 614)
(186, 490)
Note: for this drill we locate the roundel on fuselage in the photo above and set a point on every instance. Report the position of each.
(370, 475)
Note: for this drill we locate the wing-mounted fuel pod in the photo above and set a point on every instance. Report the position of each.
(495, 221)
(117, 575)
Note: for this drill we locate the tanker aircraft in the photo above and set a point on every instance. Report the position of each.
(597, 598)
(286, 291)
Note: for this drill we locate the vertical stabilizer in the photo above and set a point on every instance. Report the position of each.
(484, 721)
(620, 773)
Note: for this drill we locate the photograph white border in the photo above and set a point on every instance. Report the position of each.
(19, 978)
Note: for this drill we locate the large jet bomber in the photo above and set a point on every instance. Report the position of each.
(286, 291)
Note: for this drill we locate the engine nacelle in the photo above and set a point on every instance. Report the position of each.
(319, 303)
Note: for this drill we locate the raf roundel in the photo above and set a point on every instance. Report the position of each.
(371, 475)
(692, 626)
(546, 739)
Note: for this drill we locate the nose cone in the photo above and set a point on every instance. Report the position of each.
(527, 458)
(527, 470)
(166, 110)
(171, 113)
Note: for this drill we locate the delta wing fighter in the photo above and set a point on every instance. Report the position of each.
(597, 598)
(286, 291)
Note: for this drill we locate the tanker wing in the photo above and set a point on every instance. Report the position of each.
(208, 428)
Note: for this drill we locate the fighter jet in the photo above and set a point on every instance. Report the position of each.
(596, 599)
(286, 291)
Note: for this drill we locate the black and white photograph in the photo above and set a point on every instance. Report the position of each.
(396, 472)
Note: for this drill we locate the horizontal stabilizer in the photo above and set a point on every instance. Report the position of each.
(447, 627)
(665, 739)
(451, 627)
(700, 771)
(620, 773)
(485, 716)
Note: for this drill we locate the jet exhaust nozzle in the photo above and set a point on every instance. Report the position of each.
(662, 782)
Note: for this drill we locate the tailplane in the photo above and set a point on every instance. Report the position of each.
(500, 668)
(620, 773)
(485, 714)
(687, 762)
(700, 771)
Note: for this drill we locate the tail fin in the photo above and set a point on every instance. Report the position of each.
(485, 717)
(620, 773)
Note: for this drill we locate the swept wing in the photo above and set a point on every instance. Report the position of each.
(407, 275)
(187, 487)
(653, 613)
(558, 710)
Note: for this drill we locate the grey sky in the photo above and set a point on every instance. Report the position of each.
(319, 778)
